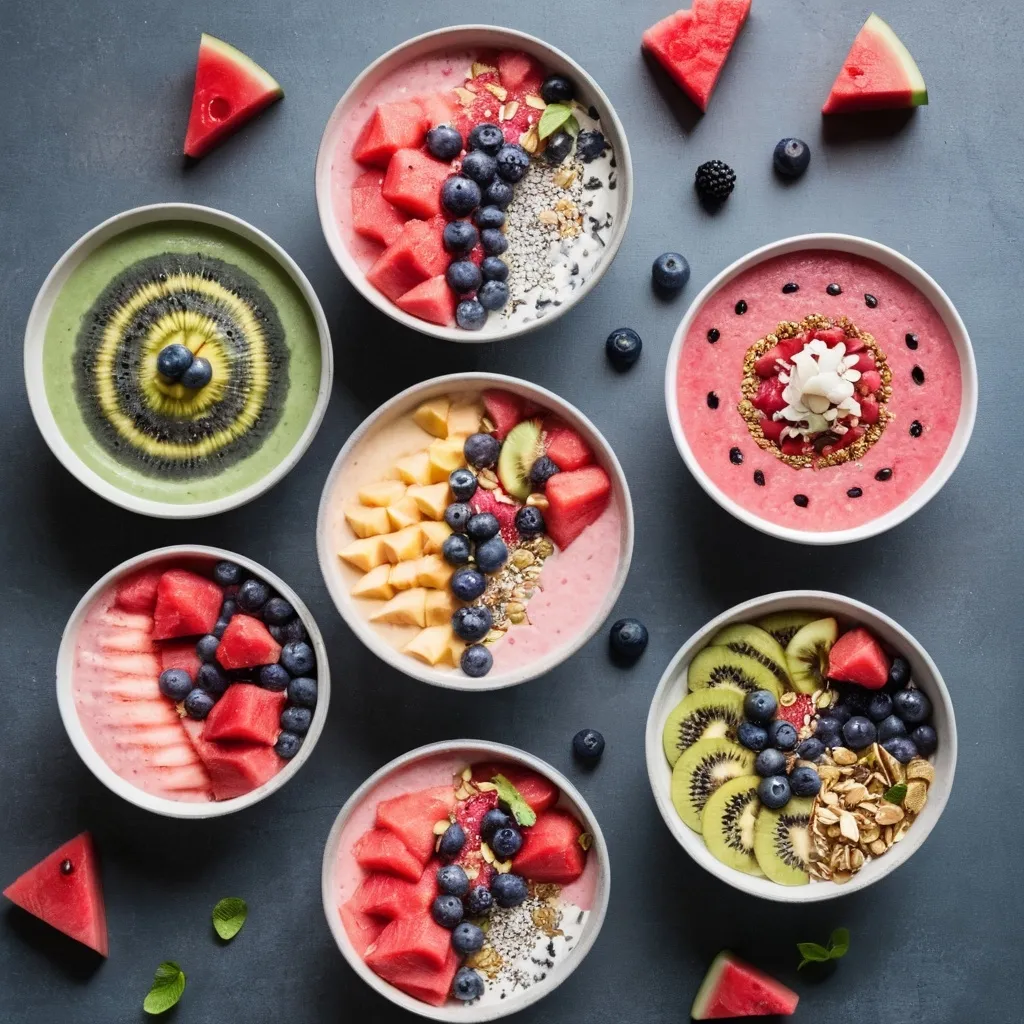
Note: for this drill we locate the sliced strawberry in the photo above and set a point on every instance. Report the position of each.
(768, 364)
(769, 396)
(830, 335)
(869, 412)
(869, 382)
(772, 429)
(865, 362)
(847, 439)
(794, 446)
(485, 501)
(855, 345)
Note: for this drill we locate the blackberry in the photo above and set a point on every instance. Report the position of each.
(715, 181)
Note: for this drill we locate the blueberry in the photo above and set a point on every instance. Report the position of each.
(476, 661)
(459, 237)
(770, 762)
(912, 706)
(175, 683)
(752, 736)
(468, 584)
(491, 555)
(859, 732)
(493, 241)
(899, 672)
(199, 374)
(211, 677)
(302, 691)
(513, 162)
(499, 193)
(467, 938)
(456, 549)
(588, 746)
(590, 145)
(463, 484)
(508, 890)
(206, 647)
(493, 820)
(841, 713)
(506, 842)
(670, 271)
(541, 472)
(623, 347)
(856, 698)
(804, 781)
(556, 89)
(494, 268)
(558, 148)
(486, 137)
(925, 739)
(482, 526)
(289, 632)
(891, 728)
(760, 706)
(828, 730)
(781, 734)
(227, 574)
(481, 167)
(287, 745)
(198, 703)
(529, 519)
(902, 748)
(472, 622)
(811, 749)
(229, 607)
(628, 638)
(463, 276)
(274, 677)
(277, 611)
(460, 196)
(470, 315)
(489, 217)
(468, 985)
(493, 295)
(298, 658)
(791, 157)
(774, 792)
(879, 707)
(457, 516)
(297, 720)
(481, 450)
(219, 627)
(252, 595)
(446, 910)
(174, 360)
(444, 142)
(453, 880)
(453, 839)
(479, 901)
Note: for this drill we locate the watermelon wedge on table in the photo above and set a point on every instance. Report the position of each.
(230, 89)
(878, 74)
(732, 988)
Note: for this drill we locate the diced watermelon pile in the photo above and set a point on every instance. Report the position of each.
(733, 988)
(564, 446)
(415, 955)
(137, 593)
(414, 257)
(361, 928)
(391, 127)
(381, 850)
(234, 768)
(373, 216)
(247, 643)
(386, 896)
(432, 301)
(551, 850)
(246, 714)
(413, 182)
(539, 792)
(186, 605)
(576, 499)
(412, 817)
(857, 657)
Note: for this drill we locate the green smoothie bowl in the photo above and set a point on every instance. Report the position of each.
(177, 361)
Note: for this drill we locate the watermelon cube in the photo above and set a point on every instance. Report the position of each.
(575, 500)
(186, 605)
(412, 817)
(234, 768)
(429, 986)
(389, 897)
(857, 657)
(438, 107)
(409, 943)
(732, 988)
(138, 592)
(564, 446)
(413, 182)
(247, 643)
(362, 929)
(415, 256)
(504, 410)
(373, 216)
(381, 850)
(391, 127)
(551, 850)
(246, 713)
(432, 301)
(769, 396)
(180, 654)
(540, 793)
(518, 71)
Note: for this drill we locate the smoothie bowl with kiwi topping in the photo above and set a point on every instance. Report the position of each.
(475, 531)
(177, 361)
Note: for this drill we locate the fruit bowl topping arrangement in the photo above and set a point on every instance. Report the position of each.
(801, 750)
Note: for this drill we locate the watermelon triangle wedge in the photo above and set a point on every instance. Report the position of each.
(733, 988)
(64, 890)
(878, 74)
(230, 89)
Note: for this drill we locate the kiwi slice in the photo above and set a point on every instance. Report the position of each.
(701, 770)
(519, 451)
(807, 654)
(782, 842)
(722, 668)
(728, 821)
(783, 625)
(711, 713)
(743, 638)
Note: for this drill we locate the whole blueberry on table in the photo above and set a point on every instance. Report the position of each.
(760, 706)
(489, 217)
(467, 938)
(212, 678)
(925, 739)
(297, 720)
(588, 746)
(459, 237)
(227, 574)
(529, 521)
(493, 241)
(506, 843)
(499, 193)
(899, 672)
(670, 271)
(804, 781)
(752, 736)
(472, 622)
(628, 638)
(556, 89)
(287, 745)
(277, 611)
(770, 762)
(590, 145)
(479, 901)
(298, 658)
(452, 879)
(198, 375)
(446, 910)
(623, 347)
(468, 985)
(912, 706)
(467, 584)
(494, 268)
(902, 748)
(811, 749)
(486, 137)
(460, 196)
(482, 526)
(476, 661)
(481, 450)
(452, 841)
(206, 647)
(774, 792)
(492, 821)
(303, 692)
(513, 162)
(456, 549)
(463, 276)
(508, 890)
(173, 360)
(491, 555)
(252, 595)
(175, 683)
(890, 728)
(481, 167)
(274, 677)
(470, 315)
(782, 734)
(791, 157)
(542, 470)
(879, 707)
(457, 515)
(859, 732)
(828, 730)
(198, 704)
(444, 142)
(558, 147)
(493, 295)
(463, 483)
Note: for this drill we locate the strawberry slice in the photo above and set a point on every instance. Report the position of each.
(772, 429)
(769, 396)
(865, 362)
(869, 411)
(486, 501)
(869, 382)
(794, 446)
(768, 364)
(830, 335)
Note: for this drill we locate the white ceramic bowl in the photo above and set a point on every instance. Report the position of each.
(471, 751)
(87, 752)
(403, 404)
(951, 318)
(456, 38)
(35, 333)
(672, 688)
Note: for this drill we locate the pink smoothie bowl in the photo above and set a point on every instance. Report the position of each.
(931, 408)
(411, 771)
(358, 102)
(198, 557)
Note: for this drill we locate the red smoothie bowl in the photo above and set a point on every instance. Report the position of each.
(554, 221)
(822, 388)
(192, 681)
(425, 813)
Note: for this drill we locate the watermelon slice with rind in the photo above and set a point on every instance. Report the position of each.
(733, 988)
(230, 89)
(878, 74)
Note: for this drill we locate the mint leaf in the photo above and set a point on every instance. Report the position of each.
(229, 916)
(554, 116)
(811, 953)
(572, 126)
(508, 794)
(168, 985)
(895, 794)
(839, 943)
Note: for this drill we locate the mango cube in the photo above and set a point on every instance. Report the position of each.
(455, 649)
(430, 499)
(464, 418)
(375, 584)
(433, 571)
(431, 644)
(434, 536)
(365, 554)
(415, 469)
(440, 607)
(404, 575)
(367, 522)
(402, 546)
(432, 416)
(382, 493)
(402, 514)
(406, 608)
(443, 457)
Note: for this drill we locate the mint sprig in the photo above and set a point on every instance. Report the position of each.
(895, 794)
(228, 917)
(813, 953)
(508, 794)
(555, 116)
(168, 986)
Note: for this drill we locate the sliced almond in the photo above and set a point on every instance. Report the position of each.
(487, 853)
(856, 794)
(878, 847)
(848, 826)
(479, 68)
(869, 833)
(831, 798)
(511, 109)
(893, 769)
(538, 500)
(888, 814)
(856, 860)
(843, 757)
(486, 787)
(841, 877)
(440, 827)
(826, 816)
(901, 830)
(466, 98)
(535, 101)
(497, 91)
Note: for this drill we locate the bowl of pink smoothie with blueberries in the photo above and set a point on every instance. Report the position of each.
(474, 183)
(465, 880)
(822, 389)
(193, 682)
(475, 531)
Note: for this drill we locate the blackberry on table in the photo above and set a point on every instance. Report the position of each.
(715, 181)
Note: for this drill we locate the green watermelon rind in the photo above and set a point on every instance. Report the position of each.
(708, 986)
(892, 42)
(244, 63)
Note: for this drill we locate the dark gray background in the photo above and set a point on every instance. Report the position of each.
(97, 98)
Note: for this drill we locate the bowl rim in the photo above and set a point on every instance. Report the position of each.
(407, 664)
(469, 1015)
(694, 845)
(923, 282)
(165, 806)
(34, 348)
(357, 277)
